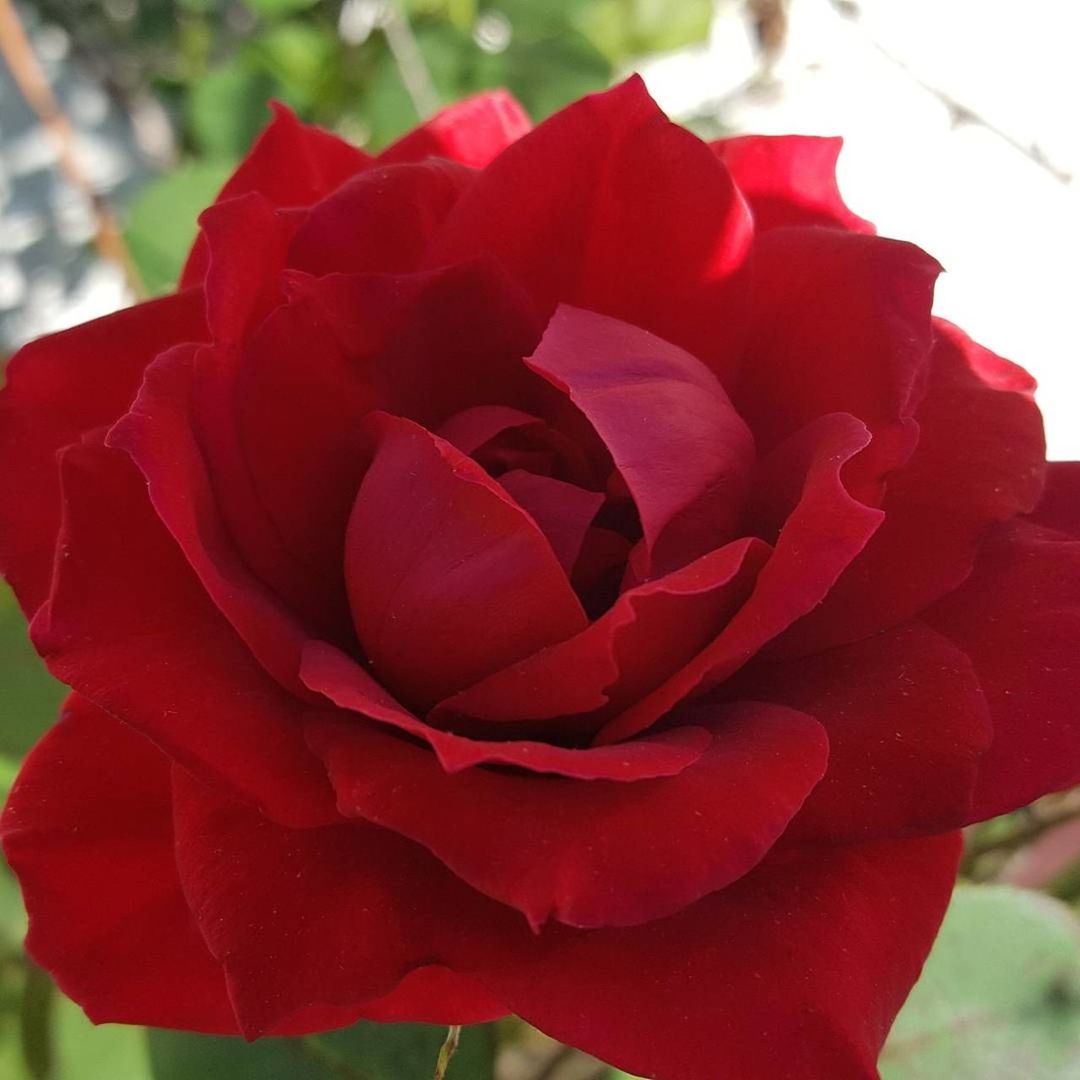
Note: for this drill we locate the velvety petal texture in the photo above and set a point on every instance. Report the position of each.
(562, 571)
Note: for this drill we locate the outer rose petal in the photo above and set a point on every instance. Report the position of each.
(380, 221)
(57, 389)
(789, 180)
(129, 626)
(291, 164)
(840, 323)
(1018, 619)
(333, 916)
(88, 831)
(1059, 507)
(907, 727)
(685, 453)
(472, 132)
(979, 460)
(590, 853)
(634, 217)
(157, 434)
(454, 582)
(793, 973)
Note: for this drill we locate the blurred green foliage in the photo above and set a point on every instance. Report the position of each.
(214, 64)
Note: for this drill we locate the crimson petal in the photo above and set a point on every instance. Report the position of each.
(796, 970)
(317, 163)
(349, 686)
(453, 583)
(684, 452)
(595, 853)
(907, 728)
(1018, 619)
(472, 132)
(663, 247)
(377, 925)
(57, 389)
(128, 625)
(789, 180)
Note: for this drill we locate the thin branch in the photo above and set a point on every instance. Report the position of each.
(447, 1051)
(19, 55)
(410, 60)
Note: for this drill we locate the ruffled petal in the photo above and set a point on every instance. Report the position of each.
(821, 533)
(633, 648)
(635, 217)
(291, 165)
(595, 853)
(453, 583)
(907, 728)
(350, 687)
(59, 388)
(684, 452)
(789, 180)
(472, 132)
(128, 625)
(1018, 619)
(796, 970)
(979, 460)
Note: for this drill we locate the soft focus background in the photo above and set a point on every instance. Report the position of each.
(119, 119)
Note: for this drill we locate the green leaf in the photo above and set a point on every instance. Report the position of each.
(278, 9)
(226, 108)
(999, 997)
(363, 1052)
(83, 1051)
(162, 221)
(297, 61)
(29, 696)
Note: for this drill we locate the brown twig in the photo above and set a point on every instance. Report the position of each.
(447, 1051)
(27, 72)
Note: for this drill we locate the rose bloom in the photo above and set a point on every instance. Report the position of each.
(564, 572)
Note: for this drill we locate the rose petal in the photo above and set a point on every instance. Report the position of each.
(380, 221)
(594, 853)
(323, 917)
(58, 388)
(88, 830)
(979, 460)
(349, 686)
(157, 433)
(907, 728)
(663, 246)
(684, 452)
(469, 429)
(789, 180)
(822, 534)
(1018, 619)
(291, 164)
(652, 631)
(129, 627)
(1059, 506)
(472, 132)
(454, 582)
(796, 970)
(563, 512)
(840, 323)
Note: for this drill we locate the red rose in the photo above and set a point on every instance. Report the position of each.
(561, 572)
